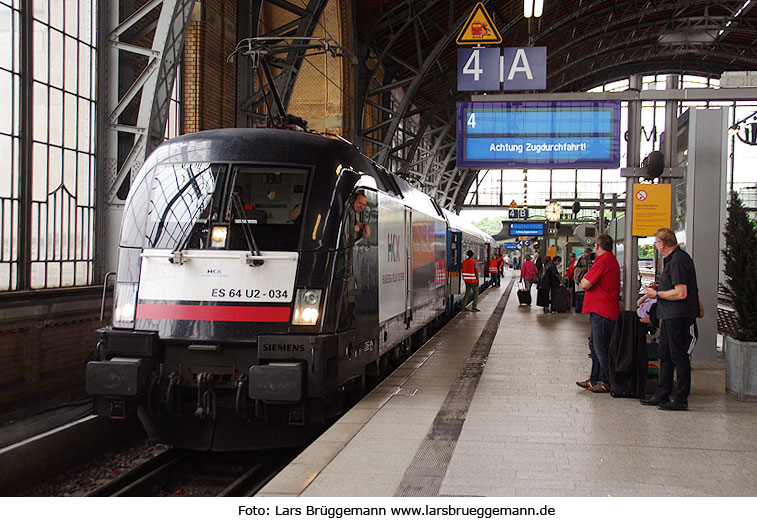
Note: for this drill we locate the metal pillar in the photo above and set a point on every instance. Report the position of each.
(23, 269)
(630, 248)
(670, 143)
(123, 142)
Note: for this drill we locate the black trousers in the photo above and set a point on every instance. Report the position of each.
(677, 339)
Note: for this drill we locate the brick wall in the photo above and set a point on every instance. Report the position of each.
(44, 358)
(209, 81)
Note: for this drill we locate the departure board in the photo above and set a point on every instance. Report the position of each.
(564, 134)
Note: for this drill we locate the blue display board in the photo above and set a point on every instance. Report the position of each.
(511, 245)
(577, 134)
(526, 229)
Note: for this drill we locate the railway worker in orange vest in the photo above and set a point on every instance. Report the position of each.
(494, 270)
(470, 276)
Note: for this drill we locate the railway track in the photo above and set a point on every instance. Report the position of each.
(183, 473)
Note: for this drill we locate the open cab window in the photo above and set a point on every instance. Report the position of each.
(360, 223)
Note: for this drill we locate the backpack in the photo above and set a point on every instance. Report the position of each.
(582, 266)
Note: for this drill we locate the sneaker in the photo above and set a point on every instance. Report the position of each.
(599, 386)
(653, 400)
(584, 384)
(475, 310)
(673, 406)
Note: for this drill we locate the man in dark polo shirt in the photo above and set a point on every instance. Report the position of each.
(602, 301)
(678, 306)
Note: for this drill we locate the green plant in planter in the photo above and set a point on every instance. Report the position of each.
(740, 255)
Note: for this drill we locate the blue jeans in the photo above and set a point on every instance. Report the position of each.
(599, 344)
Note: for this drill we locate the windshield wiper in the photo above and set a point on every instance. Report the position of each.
(236, 202)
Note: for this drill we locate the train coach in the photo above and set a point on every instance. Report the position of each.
(264, 277)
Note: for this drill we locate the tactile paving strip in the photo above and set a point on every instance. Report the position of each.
(424, 475)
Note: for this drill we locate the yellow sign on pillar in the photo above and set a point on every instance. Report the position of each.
(651, 208)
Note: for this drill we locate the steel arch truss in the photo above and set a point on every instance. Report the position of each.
(303, 21)
(411, 54)
(604, 41)
(408, 121)
(141, 51)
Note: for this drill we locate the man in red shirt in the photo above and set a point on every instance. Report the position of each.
(602, 300)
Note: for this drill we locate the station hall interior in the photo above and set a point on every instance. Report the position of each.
(92, 89)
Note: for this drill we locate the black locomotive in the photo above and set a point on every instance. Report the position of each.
(264, 275)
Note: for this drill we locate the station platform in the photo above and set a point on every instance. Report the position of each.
(461, 418)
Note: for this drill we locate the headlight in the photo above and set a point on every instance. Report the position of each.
(306, 307)
(218, 236)
(125, 305)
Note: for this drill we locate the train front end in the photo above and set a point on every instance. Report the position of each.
(219, 339)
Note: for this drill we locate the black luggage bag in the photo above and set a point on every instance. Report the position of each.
(627, 357)
(580, 301)
(560, 299)
(524, 297)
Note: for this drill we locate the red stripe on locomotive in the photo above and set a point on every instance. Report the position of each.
(193, 312)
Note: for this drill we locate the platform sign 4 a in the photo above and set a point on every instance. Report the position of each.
(486, 69)
(479, 29)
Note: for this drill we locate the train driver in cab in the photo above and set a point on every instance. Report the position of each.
(356, 219)
(248, 211)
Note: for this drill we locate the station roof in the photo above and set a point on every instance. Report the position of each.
(589, 42)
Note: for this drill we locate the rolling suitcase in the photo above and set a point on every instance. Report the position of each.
(560, 299)
(524, 297)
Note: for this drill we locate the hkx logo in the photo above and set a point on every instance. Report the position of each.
(214, 271)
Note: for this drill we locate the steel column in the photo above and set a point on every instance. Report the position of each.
(124, 142)
(630, 244)
(23, 269)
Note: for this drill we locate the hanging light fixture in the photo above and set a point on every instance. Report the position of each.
(533, 8)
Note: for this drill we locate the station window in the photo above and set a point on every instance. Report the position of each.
(60, 228)
(10, 79)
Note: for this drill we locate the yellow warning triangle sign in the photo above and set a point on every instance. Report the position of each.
(513, 205)
(479, 29)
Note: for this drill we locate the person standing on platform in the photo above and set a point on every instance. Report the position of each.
(602, 301)
(494, 271)
(678, 306)
(538, 262)
(569, 273)
(470, 277)
(544, 285)
(528, 272)
(583, 264)
(500, 265)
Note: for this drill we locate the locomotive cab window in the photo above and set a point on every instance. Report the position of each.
(267, 203)
(182, 204)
